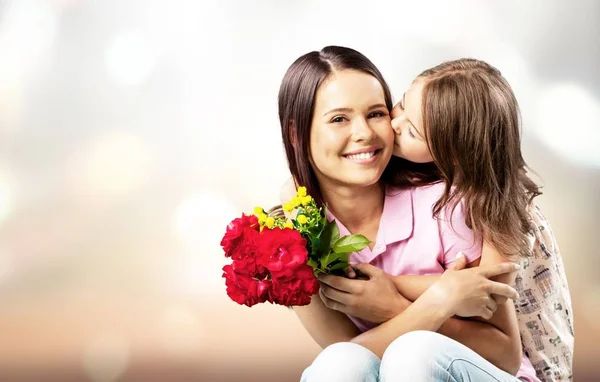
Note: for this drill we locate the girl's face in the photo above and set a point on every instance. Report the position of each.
(351, 139)
(407, 122)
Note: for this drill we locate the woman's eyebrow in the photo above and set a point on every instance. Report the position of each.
(339, 110)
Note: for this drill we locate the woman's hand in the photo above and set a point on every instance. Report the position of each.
(468, 292)
(375, 299)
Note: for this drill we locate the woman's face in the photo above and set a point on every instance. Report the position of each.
(407, 123)
(351, 139)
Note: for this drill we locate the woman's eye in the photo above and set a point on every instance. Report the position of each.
(410, 132)
(338, 120)
(377, 114)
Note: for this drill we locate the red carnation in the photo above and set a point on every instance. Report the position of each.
(243, 289)
(281, 251)
(296, 291)
(235, 231)
(268, 265)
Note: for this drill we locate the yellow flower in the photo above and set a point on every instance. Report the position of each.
(270, 222)
(258, 211)
(302, 219)
(302, 191)
(296, 201)
(306, 200)
(262, 218)
(288, 224)
(288, 207)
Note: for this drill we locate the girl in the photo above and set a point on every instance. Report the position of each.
(334, 113)
(463, 116)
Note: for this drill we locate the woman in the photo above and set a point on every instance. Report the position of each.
(334, 111)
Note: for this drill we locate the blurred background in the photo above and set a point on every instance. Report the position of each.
(133, 131)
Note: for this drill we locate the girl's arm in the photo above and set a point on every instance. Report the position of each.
(496, 339)
(457, 292)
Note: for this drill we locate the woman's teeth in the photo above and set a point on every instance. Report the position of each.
(361, 155)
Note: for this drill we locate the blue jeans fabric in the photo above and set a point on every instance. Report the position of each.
(414, 357)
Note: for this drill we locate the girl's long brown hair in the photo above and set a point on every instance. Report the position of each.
(471, 120)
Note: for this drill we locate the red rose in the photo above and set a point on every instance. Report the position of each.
(235, 231)
(281, 251)
(243, 289)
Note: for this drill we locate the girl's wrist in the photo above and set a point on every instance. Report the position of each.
(437, 298)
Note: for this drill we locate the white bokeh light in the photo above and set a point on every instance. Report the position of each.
(131, 58)
(27, 32)
(568, 122)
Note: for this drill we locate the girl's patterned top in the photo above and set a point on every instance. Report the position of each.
(544, 308)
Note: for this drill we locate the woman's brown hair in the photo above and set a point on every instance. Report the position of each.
(296, 101)
(471, 121)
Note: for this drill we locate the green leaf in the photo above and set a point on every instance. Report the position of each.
(326, 237)
(329, 258)
(315, 242)
(313, 264)
(340, 265)
(350, 243)
(335, 233)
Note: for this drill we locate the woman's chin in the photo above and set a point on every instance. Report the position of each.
(363, 180)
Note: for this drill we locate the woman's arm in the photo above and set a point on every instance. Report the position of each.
(326, 326)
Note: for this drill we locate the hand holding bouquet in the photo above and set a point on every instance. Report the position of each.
(275, 258)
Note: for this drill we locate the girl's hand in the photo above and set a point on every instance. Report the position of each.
(468, 292)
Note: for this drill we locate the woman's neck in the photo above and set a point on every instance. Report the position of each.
(356, 207)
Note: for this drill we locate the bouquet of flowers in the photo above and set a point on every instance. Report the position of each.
(277, 254)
